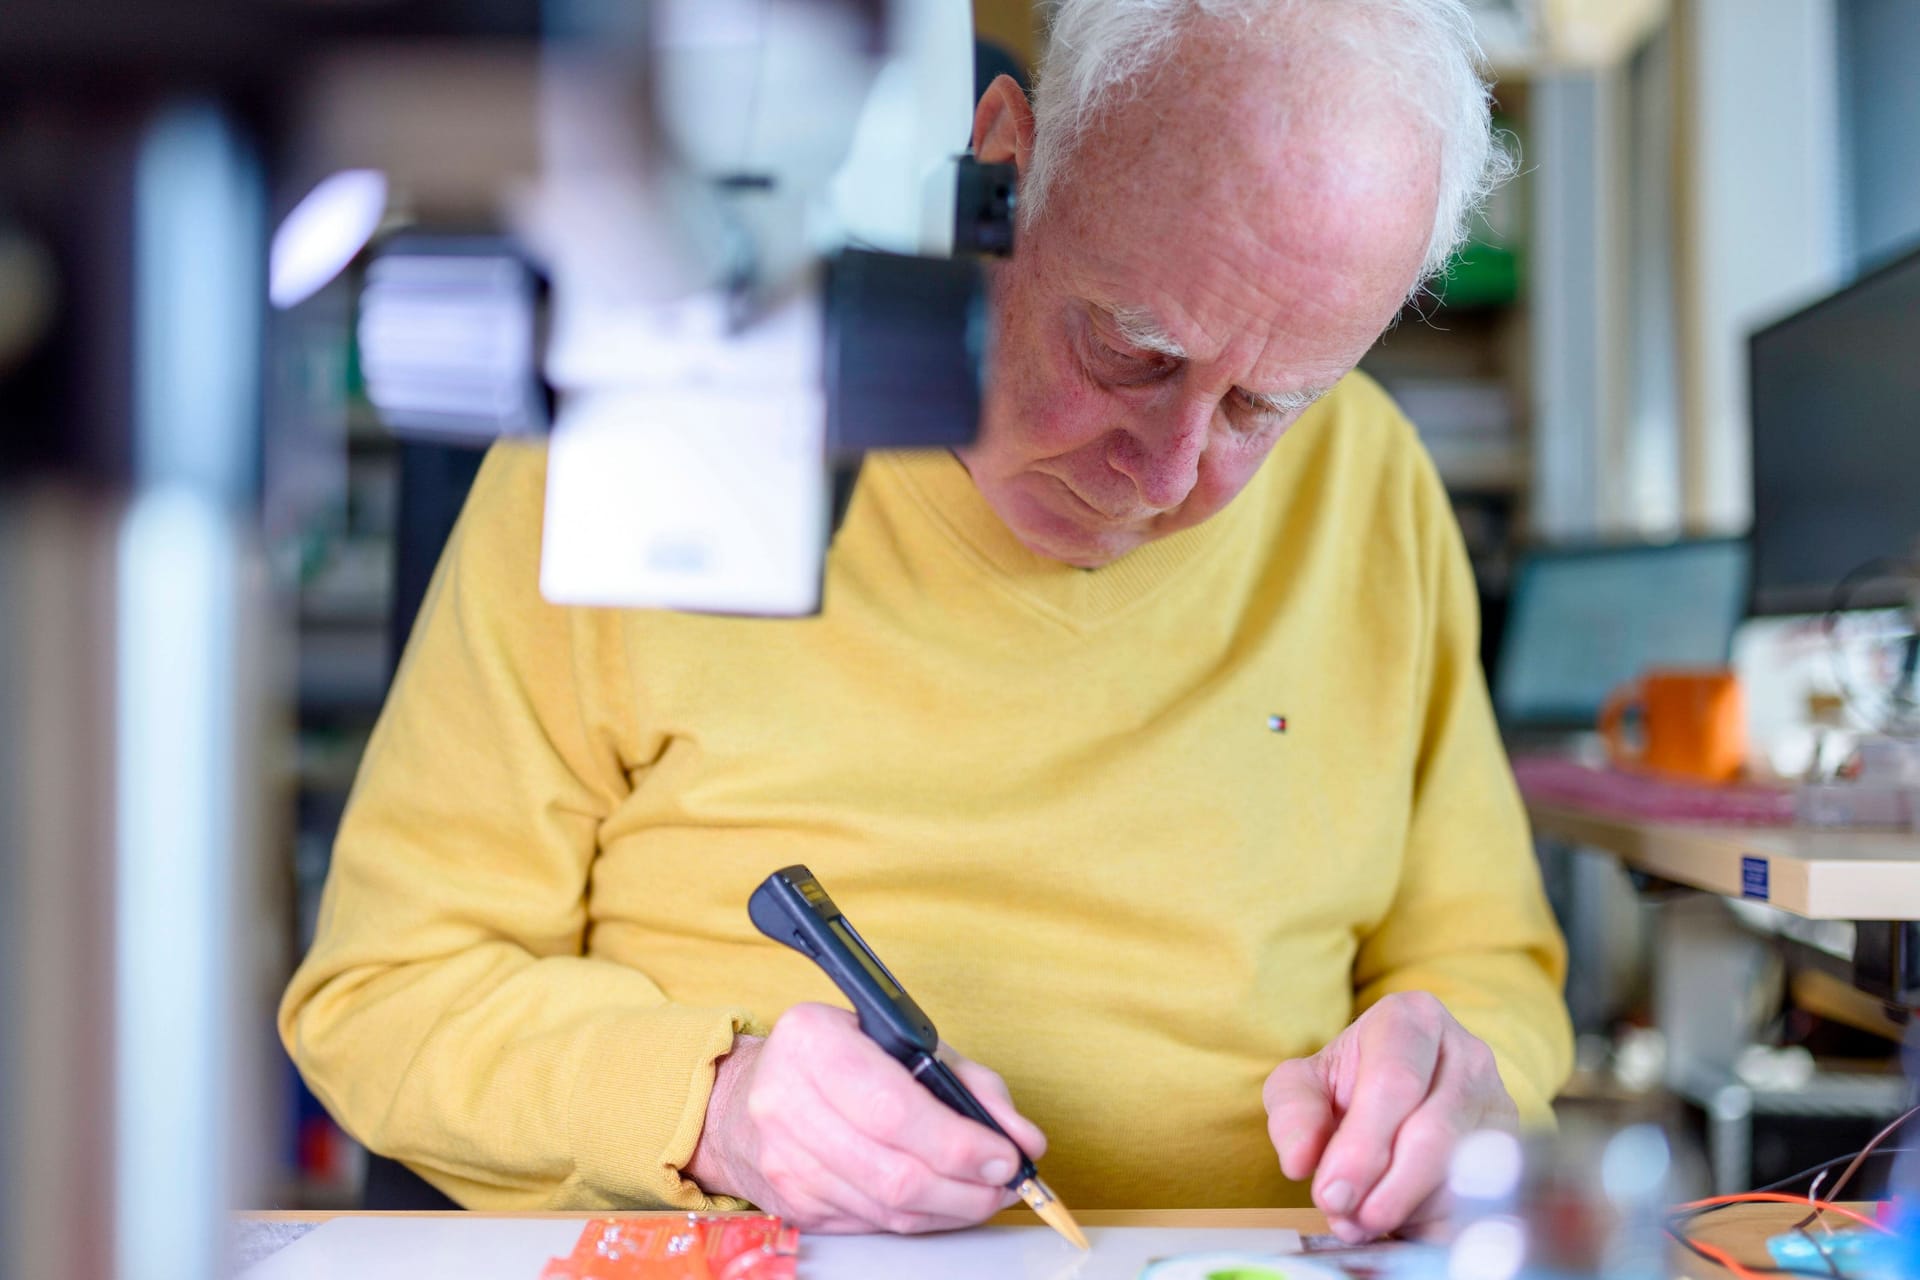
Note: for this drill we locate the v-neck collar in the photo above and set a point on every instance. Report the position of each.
(940, 485)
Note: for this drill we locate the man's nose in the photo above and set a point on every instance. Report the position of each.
(1162, 456)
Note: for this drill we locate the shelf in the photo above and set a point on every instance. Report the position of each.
(1525, 38)
(1832, 1095)
(1824, 875)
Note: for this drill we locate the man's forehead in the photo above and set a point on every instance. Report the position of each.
(1203, 271)
(1223, 198)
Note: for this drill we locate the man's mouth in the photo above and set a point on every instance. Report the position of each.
(1089, 509)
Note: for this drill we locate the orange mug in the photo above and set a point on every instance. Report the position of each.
(1693, 724)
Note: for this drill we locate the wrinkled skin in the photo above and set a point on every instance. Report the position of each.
(817, 1124)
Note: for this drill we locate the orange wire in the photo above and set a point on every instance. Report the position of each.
(1725, 1259)
(1775, 1197)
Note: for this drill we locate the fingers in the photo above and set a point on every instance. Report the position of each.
(985, 1084)
(845, 1139)
(1300, 1115)
(1417, 1170)
(1398, 1090)
(875, 1096)
(1467, 1094)
(880, 1186)
(1395, 1053)
(1429, 1220)
(896, 1190)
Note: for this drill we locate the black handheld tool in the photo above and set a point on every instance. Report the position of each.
(791, 908)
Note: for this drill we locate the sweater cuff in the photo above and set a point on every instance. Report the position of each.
(639, 1103)
(1536, 1111)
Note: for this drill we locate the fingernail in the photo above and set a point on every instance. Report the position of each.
(997, 1171)
(1338, 1198)
(1350, 1232)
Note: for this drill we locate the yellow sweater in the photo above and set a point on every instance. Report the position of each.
(1055, 801)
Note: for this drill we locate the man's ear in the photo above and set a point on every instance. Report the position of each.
(1003, 125)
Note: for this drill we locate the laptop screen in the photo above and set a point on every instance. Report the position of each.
(1582, 621)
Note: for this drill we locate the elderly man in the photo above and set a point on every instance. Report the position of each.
(1145, 739)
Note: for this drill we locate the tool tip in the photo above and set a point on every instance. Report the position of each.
(1039, 1196)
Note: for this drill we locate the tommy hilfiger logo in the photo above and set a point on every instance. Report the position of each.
(1276, 724)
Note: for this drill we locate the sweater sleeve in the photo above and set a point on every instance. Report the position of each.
(1470, 921)
(447, 1013)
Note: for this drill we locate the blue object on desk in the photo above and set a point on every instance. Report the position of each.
(1860, 1254)
(1906, 1168)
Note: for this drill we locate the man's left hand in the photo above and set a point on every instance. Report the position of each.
(1375, 1115)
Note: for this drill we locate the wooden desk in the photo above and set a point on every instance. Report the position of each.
(1824, 875)
(1742, 1230)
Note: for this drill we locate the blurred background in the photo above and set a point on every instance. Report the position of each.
(1669, 386)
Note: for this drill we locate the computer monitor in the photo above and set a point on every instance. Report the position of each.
(1581, 621)
(1836, 442)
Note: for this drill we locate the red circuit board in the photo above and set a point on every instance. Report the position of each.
(695, 1247)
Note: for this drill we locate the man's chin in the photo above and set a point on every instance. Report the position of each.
(1054, 535)
(1081, 548)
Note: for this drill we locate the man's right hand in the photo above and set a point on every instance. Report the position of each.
(817, 1124)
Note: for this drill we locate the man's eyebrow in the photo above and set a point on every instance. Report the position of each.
(1285, 401)
(1140, 328)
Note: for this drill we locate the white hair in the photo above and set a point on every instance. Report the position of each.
(1102, 50)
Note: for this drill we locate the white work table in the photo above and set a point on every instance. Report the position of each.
(1743, 1229)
